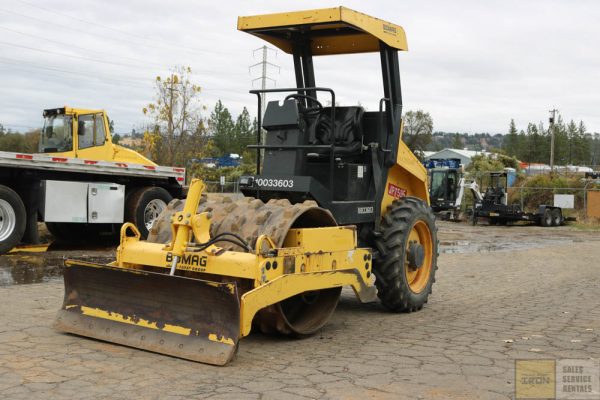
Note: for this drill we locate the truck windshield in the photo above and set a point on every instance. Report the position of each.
(57, 135)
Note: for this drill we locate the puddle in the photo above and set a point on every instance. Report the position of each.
(466, 246)
(26, 268)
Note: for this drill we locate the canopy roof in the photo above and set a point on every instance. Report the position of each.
(337, 30)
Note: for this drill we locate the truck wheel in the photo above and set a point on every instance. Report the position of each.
(547, 218)
(557, 217)
(13, 218)
(408, 250)
(144, 205)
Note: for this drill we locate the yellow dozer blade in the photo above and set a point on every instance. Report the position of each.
(183, 317)
(185, 296)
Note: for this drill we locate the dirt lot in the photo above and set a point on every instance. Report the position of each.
(502, 293)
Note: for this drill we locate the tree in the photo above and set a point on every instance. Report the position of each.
(511, 140)
(18, 142)
(572, 136)
(177, 132)
(222, 130)
(457, 142)
(244, 131)
(418, 126)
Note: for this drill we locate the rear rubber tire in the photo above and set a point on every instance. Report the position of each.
(557, 218)
(13, 218)
(142, 204)
(390, 268)
(546, 218)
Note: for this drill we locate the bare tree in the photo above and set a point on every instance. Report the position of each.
(177, 132)
(418, 127)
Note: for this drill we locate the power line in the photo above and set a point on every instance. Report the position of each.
(70, 45)
(139, 66)
(131, 82)
(122, 32)
(100, 78)
(72, 55)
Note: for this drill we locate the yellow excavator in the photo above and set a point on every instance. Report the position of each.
(337, 200)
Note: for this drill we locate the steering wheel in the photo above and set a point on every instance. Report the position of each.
(316, 109)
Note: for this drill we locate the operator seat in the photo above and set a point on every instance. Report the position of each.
(347, 133)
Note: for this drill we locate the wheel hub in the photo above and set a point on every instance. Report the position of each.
(152, 211)
(416, 255)
(8, 220)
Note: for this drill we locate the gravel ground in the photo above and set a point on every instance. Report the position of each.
(502, 293)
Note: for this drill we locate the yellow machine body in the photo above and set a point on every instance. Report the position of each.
(102, 148)
(213, 268)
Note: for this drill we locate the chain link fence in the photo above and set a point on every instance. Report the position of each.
(586, 199)
(222, 187)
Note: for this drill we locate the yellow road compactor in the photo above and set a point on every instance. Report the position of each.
(337, 200)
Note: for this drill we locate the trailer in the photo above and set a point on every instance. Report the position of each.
(80, 184)
(493, 206)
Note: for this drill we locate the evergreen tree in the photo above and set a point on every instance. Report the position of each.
(222, 130)
(457, 142)
(244, 132)
(510, 141)
(572, 136)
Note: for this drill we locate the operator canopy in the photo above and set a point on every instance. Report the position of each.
(337, 30)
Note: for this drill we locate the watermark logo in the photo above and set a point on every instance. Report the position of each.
(568, 379)
(535, 379)
(577, 379)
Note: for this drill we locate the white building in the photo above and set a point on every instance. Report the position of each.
(463, 155)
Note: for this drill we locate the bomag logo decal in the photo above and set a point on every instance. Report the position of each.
(193, 262)
(389, 29)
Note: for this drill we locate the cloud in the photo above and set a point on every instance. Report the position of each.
(473, 65)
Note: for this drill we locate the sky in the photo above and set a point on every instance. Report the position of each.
(473, 65)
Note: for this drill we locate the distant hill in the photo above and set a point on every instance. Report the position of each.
(477, 141)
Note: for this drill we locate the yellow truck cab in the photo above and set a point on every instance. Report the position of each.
(82, 133)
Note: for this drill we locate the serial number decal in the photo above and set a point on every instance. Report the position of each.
(396, 191)
(365, 210)
(277, 183)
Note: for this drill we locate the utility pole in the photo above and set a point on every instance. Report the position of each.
(552, 120)
(264, 77)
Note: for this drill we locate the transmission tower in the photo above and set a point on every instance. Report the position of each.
(264, 77)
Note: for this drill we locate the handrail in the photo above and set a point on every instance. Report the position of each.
(260, 146)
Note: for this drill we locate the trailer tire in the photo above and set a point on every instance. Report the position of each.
(144, 205)
(13, 218)
(557, 218)
(409, 236)
(546, 218)
(77, 232)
